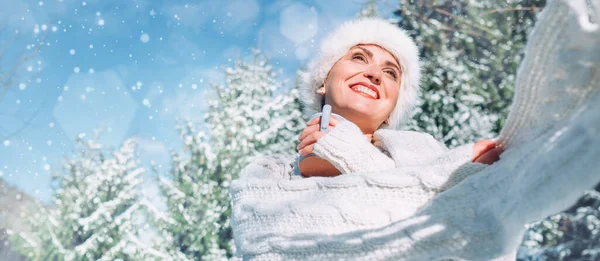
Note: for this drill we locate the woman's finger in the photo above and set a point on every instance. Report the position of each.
(317, 120)
(313, 121)
(482, 147)
(306, 150)
(310, 139)
(314, 125)
(490, 156)
(307, 131)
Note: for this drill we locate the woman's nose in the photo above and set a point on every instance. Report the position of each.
(373, 75)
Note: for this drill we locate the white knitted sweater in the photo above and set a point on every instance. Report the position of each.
(410, 198)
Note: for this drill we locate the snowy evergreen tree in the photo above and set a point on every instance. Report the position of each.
(369, 10)
(571, 235)
(95, 210)
(247, 118)
(470, 51)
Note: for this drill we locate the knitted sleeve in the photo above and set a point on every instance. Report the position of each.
(349, 151)
(420, 155)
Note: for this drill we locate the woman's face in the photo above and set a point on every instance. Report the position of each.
(363, 86)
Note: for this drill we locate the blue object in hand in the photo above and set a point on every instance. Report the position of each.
(325, 116)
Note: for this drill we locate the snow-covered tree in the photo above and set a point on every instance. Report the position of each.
(369, 9)
(571, 235)
(470, 51)
(249, 116)
(95, 213)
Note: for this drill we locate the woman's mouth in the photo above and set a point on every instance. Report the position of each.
(365, 91)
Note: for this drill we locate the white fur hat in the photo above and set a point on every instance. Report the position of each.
(365, 31)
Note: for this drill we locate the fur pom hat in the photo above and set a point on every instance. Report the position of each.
(365, 31)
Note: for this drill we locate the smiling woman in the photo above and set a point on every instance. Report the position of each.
(368, 72)
(355, 48)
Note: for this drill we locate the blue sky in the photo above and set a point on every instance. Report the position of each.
(132, 68)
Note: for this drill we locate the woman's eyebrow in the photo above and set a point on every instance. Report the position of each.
(369, 53)
(388, 63)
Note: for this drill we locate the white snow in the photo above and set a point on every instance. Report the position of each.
(144, 38)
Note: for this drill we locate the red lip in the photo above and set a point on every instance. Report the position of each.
(370, 86)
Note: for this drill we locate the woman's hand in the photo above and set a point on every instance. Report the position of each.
(486, 152)
(316, 166)
(312, 133)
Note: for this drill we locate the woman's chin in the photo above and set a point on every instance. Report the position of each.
(358, 108)
(360, 113)
(364, 107)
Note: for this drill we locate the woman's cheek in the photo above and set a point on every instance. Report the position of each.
(391, 93)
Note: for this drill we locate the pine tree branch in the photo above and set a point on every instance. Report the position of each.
(459, 19)
(531, 8)
(444, 27)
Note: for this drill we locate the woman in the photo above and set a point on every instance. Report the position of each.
(368, 71)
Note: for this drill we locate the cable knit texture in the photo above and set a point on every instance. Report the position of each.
(347, 149)
(432, 203)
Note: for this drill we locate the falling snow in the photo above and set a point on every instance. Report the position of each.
(144, 38)
(125, 85)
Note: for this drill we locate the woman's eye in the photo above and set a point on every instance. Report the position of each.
(392, 73)
(359, 57)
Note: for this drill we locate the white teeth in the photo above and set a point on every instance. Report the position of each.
(365, 90)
